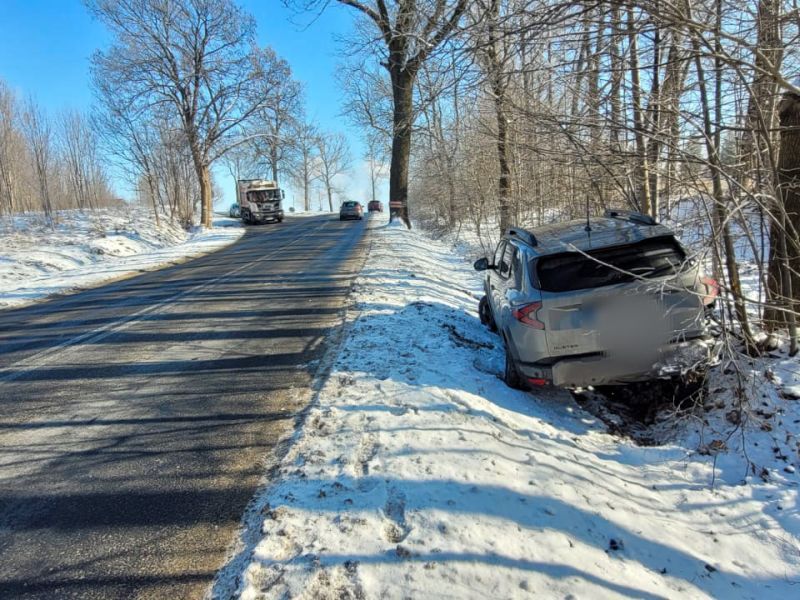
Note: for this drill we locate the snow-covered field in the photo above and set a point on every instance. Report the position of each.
(418, 474)
(87, 248)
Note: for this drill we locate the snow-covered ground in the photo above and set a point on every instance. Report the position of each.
(87, 248)
(418, 474)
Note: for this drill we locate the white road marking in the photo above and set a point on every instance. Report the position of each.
(41, 359)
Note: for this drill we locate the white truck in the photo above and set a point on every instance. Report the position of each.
(259, 200)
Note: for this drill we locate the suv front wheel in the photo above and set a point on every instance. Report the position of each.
(485, 314)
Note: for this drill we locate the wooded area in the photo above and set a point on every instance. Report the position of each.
(48, 163)
(530, 111)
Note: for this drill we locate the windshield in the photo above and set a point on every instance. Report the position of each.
(349, 204)
(607, 266)
(264, 195)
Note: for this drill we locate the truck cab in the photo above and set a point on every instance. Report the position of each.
(260, 200)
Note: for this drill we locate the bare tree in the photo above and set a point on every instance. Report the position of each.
(409, 32)
(334, 160)
(376, 159)
(80, 159)
(10, 147)
(281, 106)
(189, 59)
(303, 160)
(784, 267)
(38, 132)
(495, 63)
(132, 145)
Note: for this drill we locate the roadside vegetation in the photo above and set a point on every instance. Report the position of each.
(534, 111)
(183, 90)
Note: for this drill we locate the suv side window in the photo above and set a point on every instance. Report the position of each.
(498, 254)
(516, 269)
(504, 268)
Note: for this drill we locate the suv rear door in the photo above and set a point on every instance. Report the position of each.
(592, 303)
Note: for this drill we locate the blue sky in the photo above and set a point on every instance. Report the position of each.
(45, 46)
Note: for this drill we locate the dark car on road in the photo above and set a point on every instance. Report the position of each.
(607, 301)
(351, 210)
(375, 206)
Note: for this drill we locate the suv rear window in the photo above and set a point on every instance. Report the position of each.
(575, 271)
(349, 204)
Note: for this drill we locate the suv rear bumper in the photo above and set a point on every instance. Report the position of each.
(601, 369)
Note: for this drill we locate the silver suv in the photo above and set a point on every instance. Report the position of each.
(603, 301)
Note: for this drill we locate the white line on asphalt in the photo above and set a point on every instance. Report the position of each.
(35, 362)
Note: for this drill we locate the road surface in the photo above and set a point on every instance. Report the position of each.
(137, 419)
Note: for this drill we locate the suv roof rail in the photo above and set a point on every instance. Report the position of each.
(523, 235)
(629, 215)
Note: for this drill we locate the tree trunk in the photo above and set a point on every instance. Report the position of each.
(784, 264)
(206, 209)
(712, 140)
(642, 189)
(306, 182)
(760, 119)
(403, 95)
(499, 92)
(372, 176)
(273, 159)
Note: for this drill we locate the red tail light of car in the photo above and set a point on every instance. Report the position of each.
(711, 290)
(528, 315)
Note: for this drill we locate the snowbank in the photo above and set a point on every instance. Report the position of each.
(88, 248)
(418, 474)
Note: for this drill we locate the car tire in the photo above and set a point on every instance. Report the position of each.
(485, 313)
(511, 376)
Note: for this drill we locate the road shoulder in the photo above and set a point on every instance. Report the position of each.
(417, 473)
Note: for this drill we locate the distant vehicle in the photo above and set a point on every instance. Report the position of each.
(234, 211)
(259, 200)
(375, 206)
(351, 210)
(612, 301)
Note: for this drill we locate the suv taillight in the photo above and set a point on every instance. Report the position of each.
(712, 290)
(529, 315)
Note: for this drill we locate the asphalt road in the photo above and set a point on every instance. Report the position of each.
(137, 419)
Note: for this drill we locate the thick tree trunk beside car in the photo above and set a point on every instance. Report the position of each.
(403, 91)
(410, 32)
(784, 264)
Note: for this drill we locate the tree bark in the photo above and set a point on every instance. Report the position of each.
(204, 178)
(784, 265)
(642, 190)
(498, 87)
(403, 116)
(712, 141)
(760, 119)
(273, 159)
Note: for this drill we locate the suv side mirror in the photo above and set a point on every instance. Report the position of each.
(482, 264)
